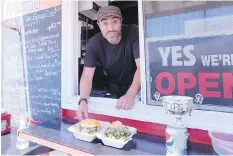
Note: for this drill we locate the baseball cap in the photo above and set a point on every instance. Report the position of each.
(108, 11)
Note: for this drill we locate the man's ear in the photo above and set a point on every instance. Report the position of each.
(121, 20)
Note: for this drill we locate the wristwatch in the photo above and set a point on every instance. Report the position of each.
(82, 99)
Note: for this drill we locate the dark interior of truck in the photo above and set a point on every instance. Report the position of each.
(129, 10)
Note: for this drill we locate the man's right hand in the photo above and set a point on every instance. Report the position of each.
(82, 112)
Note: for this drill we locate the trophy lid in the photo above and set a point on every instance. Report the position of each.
(177, 97)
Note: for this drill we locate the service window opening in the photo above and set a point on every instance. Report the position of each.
(88, 28)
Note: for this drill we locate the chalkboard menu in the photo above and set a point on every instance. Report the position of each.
(43, 56)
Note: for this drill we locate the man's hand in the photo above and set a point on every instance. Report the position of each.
(82, 112)
(126, 101)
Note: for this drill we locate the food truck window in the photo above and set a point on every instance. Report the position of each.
(188, 49)
(89, 28)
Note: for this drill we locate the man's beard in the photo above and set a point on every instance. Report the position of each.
(113, 39)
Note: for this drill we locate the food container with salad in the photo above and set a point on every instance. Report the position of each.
(116, 134)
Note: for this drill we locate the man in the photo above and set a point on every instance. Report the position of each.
(117, 49)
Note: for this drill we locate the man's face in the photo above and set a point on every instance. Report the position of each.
(111, 28)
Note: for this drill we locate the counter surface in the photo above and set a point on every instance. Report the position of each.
(8, 146)
(54, 134)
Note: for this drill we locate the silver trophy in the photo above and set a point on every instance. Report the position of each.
(177, 135)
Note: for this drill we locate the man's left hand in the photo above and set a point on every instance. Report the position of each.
(125, 102)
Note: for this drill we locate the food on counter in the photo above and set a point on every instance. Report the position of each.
(117, 131)
(88, 126)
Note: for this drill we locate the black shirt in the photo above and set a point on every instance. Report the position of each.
(118, 61)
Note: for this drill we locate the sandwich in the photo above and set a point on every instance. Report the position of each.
(117, 131)
(89, 126)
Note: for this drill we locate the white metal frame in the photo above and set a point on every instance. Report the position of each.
(206, 120)
(70, 51)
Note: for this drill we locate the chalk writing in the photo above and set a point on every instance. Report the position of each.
(32, 31)
(46, 111)
(45, 97)
(53, 25)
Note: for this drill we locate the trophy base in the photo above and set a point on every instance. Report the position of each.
(176, 140)
(177, 153)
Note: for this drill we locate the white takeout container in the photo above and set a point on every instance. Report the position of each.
(222, 143)
(115, 143)
(86, 137)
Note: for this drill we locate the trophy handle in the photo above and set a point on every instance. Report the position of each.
(157, 96)
(197, 101)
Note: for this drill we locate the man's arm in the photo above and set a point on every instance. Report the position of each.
(85, 89)
(136, 84)
(127, 100)
(86, 82)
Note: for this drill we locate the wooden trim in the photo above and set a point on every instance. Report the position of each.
(53, 145)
